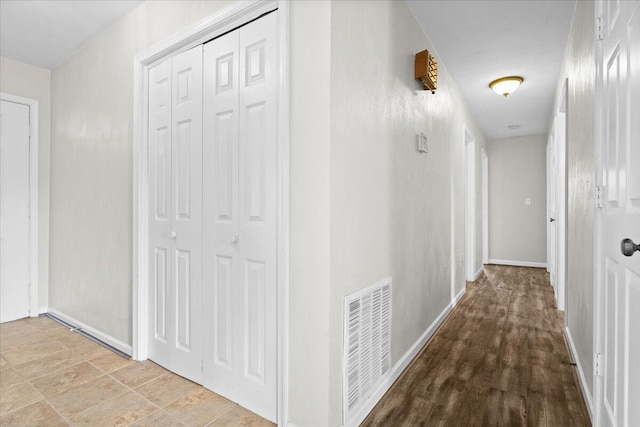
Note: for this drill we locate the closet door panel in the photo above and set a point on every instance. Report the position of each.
(186, 153)
(257, 207)
(160, 267)
(221, 241)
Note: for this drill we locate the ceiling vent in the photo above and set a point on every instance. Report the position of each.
(367, 344)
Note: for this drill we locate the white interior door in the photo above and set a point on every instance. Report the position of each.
(553, 175)
(14, 211)
(619, 396)
(240, 111)
(175, 223)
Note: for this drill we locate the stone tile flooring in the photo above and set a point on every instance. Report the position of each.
(50, 376)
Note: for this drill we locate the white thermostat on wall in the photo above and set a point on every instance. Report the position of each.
(422, 143)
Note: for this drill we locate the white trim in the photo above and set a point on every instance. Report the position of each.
(518, 263)
(34, 236)
(548, 207)
(560, 136)
(458, 297)
(106, 338)
(599, 269)
(402, 364)
(229, 18)
(485, 206)
(469, 156)
(283, 213)
(478, 274)
(581, 378)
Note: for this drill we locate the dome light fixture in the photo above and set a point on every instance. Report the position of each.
(506, 85)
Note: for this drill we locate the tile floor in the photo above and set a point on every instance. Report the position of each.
(50, 376)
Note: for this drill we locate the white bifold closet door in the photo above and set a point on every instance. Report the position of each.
(175, 214)
(239, 196)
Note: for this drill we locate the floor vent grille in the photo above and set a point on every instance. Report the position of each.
(367, 349)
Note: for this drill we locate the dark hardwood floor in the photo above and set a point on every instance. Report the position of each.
(499, 359)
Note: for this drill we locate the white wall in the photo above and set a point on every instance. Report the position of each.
(579, 69)
(310, 213)
(364, 203)
(392, 208)
(92, 164)
(517, 170)
(27, 81)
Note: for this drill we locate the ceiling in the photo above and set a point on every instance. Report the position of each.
(45, 33)
(480, 41)
(476, 40)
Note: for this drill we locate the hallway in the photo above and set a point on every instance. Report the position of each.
(500, 358)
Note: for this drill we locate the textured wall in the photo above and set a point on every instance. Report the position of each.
(92, 166)
(518, 232)
(392, 208)
(27, 81)
(579, 69)
(310, 215)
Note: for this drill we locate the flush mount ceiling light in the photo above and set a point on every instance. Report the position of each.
(506, 85)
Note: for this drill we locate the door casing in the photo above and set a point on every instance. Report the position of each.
(469, 154)
(485, 206)
(199, 33)
(34, 123)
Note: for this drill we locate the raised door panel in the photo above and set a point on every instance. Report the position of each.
(161, 291)
(613, 126)
(632, 322)
(612, 338)
(220, 198)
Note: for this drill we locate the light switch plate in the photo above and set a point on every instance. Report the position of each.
(422, 143)
(527, 201)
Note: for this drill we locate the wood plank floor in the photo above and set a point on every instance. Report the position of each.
(500, 359)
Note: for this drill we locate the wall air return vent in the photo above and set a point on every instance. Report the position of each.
(367, 345)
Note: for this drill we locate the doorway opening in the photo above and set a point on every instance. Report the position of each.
(485, 207)
(469, 205)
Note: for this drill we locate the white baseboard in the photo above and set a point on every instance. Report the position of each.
(582, 379)
(107, 339)
(457, 299)
(401, 364)
(478, 274)
(518, 263)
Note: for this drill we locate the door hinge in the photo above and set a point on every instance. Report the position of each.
(599, 29)
(598, 364)
(599, 196)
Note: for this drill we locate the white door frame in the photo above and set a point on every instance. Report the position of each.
(469, 144)
(34, 123)
(548, 210)
(561, 201)
(485, 206)
(593, 399)
(200, 32)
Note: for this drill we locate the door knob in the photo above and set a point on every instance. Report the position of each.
(552, 219)
(233, 239)
(628, 247)
(174, 234)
